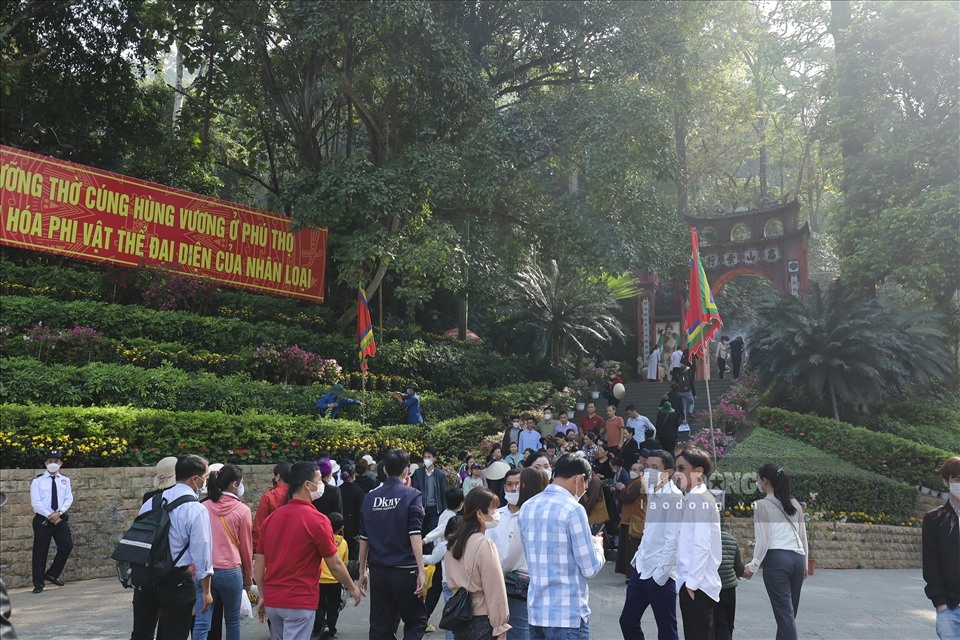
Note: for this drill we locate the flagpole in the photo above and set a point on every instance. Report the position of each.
(706, 379)
(363, 395)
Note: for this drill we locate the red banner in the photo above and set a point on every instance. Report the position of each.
(72, 210)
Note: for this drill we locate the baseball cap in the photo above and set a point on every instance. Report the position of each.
(54, 453)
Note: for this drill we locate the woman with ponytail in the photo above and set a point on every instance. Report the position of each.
(232, 529)
(781, 547)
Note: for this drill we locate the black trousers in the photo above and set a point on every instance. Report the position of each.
(721, 365)
(391, 597)
(43, 533)
(724, 614)
(328, 611)
(737, 364)
(697, 615)
(171, 605)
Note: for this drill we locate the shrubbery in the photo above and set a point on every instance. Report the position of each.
(449, 437)
(91, 436)
(838, 485)
(882, 453)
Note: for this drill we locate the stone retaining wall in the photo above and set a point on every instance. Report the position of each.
(105, 503)
(107, 500)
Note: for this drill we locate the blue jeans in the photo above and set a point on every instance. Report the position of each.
(518, 620)
(226, 585)
(561, 633)
(948, 624)
(447, 594)
(687, 397)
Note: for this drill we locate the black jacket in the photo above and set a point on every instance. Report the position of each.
(941, 556)
(351, 494)
(419, 482)
(330, 501)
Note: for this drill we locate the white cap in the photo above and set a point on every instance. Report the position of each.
(369, 459)
(213, 468)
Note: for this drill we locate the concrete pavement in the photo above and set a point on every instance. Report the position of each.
(835, 605)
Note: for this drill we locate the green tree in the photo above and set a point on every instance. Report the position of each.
(556, 310)
(854, 350)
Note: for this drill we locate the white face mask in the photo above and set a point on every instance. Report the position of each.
(490, 524)
(316, 495)
(53, 467)
(512, 497)
(634, 475)
(516, 425)
(955, 490)
(652, 478)
(240, 490)
(547, 415)
(580, 495)
(428, 462)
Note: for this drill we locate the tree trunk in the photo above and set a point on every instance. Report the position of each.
(680, 140)
(178, 93)
(833, 400)
(847, 89)
(463, 306)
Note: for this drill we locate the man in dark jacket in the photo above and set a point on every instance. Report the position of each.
(329, 501)
(351, 494)
(432, 483)
(941, 554)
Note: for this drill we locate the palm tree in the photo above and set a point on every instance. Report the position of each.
(857, 350)
(558, 310)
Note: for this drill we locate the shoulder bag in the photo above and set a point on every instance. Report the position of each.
(518, 582)
(458, 610)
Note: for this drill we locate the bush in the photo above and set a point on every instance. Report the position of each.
(882, 453)
(452, 436)
(28, 381)
(932, 422)
(152, 434)
(448, 363)
(511, 398)
(839, 486)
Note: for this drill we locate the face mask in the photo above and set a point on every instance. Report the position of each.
(490, 524)
(53, 467)
(240, 490)
(428, 462)
(955, 490)
(516, 425)
(203, 488)
(652, 478)
(512, 497)
(547, 416)
(580, 495)
(634, 475)
(316, 495)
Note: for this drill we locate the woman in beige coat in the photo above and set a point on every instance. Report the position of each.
(472, 562)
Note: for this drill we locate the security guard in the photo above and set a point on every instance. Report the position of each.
(51, 497)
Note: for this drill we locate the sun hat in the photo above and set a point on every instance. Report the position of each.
(497, 470)
(337, 389)
(166, 473)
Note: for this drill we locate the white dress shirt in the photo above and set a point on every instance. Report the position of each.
(700, 548)
(774, 529)
(40, 494)
(506, 536)
(189, 524)
(656, 556)
(675, 358)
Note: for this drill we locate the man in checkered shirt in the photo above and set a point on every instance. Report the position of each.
(561, 554)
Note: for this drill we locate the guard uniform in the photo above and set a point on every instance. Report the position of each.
(50, 493)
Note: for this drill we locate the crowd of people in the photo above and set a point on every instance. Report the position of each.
(517, 535)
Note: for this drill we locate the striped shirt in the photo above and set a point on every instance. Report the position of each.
(561, 554)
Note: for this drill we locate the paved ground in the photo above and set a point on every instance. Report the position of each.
(836, 605)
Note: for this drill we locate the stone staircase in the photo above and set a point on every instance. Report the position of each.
(646, 395)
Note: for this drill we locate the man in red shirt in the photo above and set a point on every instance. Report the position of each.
(273, 499)
(613, 428)
(591, 422)
(293, 541)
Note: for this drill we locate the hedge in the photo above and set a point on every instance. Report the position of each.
(452, 436)
(148, 435)
(882, 453)
(839, 486)
(934, 422)
(220, 335)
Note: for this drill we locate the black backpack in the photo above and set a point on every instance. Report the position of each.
(143, 553)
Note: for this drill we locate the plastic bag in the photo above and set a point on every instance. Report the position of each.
(246, 608)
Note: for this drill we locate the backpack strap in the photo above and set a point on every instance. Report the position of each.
(170, 507)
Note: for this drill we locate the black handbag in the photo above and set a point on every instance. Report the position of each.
(517, 584)
(458, 610)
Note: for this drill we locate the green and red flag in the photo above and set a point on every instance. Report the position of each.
(703, 318)
(364, 330)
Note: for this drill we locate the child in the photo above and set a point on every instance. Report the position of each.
(328, 611)
(473, 480)
(731, 568)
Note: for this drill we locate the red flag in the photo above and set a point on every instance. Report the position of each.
(364, 330)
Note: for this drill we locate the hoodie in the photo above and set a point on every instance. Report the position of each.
(233, 549)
